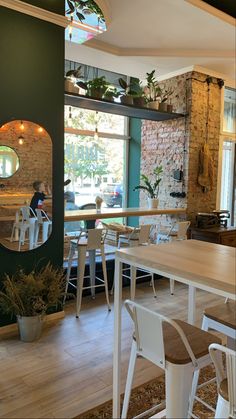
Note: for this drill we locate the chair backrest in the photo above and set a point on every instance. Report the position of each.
(149, 333)
(95, 238)
(89, 224)
(26, 212)
(41, 215)
(182, 228)
(214, 350)
(140, 235)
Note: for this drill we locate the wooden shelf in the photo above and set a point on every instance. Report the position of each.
(132, 111)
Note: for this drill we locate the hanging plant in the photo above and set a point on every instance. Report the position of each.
(84, 7)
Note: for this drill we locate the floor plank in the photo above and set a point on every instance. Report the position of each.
(69, 370)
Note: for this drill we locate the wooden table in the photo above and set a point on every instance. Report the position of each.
(219, 234)
(93, 214)
(207, 266)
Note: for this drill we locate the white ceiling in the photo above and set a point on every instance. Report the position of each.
(163, 34)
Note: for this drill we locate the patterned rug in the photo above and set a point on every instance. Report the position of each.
(152, 393)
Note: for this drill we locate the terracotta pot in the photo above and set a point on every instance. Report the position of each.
(126, 100)
(70, 87)
(154, 104)
(169, 108)
(163, 107)
(139, 101)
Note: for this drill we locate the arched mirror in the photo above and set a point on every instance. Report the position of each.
(25, 185)
(9, 162)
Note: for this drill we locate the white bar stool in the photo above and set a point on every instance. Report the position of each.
(221, 318)
(226, 403)
(94, 240)
(44, 223)
(24, 223)
(173, 345)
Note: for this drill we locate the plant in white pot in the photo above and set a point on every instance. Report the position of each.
(152, 90)
(151, 188)
(29, 296)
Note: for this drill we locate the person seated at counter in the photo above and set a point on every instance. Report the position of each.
(41, 193)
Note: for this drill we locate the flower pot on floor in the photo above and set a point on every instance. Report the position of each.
(30, 328)
(153, 203)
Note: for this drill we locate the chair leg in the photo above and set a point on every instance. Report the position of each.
(222, 408)
(133, 276)
(70, 259)
(80, 277)
(129, 381)
(153, 286)
(178, 385)
(92, 269)
(104, 268)
(172, 286)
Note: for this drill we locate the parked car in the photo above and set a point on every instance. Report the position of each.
(112, 194)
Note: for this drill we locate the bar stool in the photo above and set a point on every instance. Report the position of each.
(92, 241)
(44, 223)
(226, 383)
(177, 231)
(173, 345)
(221, 318)
(24, 223)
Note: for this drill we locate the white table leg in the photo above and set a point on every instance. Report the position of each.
(117, 338)
(191, 304)
(92, 268)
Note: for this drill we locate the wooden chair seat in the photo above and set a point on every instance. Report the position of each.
(198, 339)
(223, 389)
(223, 313)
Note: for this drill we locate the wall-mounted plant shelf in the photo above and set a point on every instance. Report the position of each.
(132, 111)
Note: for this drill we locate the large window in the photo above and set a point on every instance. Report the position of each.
(228, 155)
(95, 156)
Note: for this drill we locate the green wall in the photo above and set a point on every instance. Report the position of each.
(32, 88)
(134, 166)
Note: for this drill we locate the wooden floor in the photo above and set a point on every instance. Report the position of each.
(69, 370)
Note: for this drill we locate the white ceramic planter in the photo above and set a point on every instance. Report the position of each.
(153, 202)
(71, 87)
(30, 328)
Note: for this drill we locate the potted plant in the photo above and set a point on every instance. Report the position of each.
(126, 93)
(151, 188)
(152, 90)
(70, 80)
(84, 7)
(111, 93)
(138, 94)
(165, 94)
(29, 296)
(95, 88)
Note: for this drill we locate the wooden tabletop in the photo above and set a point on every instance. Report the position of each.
(93, 214)
(208, 266)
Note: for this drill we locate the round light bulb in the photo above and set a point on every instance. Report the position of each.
(21, 140)
(22, 127)
(40, 129)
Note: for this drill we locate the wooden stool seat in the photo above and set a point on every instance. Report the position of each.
(199, 340)
(223, 389)
(223, 313)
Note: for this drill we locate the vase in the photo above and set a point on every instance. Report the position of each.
(163, 107)
(70, 87)
(153, 203)
(126, 99)
(139, 101)
(154, 105)
(30, 327)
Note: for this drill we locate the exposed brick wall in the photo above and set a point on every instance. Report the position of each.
(175, 144)
(35, 156)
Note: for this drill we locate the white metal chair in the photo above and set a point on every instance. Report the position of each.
(226, 381)
(221, 318)
(24, 223)
(173, 345)
(44, 223)
(140, 236)
(94, 240)
(177, 231)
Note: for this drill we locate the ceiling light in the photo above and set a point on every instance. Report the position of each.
(22, 127)
(40, 129)
(21, 139)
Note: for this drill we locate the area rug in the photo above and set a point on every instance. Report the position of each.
(152, 393)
